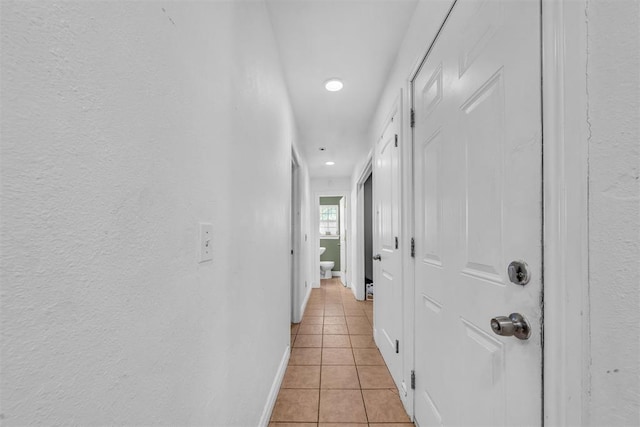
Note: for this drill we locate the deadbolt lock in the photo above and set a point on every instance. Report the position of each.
(519, 272)
(514, 325)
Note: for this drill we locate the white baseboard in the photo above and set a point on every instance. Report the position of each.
(336, 274)
(275, 389)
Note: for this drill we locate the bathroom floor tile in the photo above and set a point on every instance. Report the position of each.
(343, 425)
(362, 341)
(336, 341)
(336, 329)
(367, 356)
(392, 425)
(372, 377)
(312, 320)
(313, 312)
(354, 312)
(360, 329)
(384, 406)
(334, 320)
(339, 377)
(301, 377)
(308, 341)
(342, 406)
(306, 329)
(334, 312)
(334, 362)
(296, 405)
(305, 356)
(337, 356)
(292, 424)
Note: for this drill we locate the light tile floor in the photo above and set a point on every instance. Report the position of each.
(336, 375)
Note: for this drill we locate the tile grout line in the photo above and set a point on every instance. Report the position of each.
(321, 360)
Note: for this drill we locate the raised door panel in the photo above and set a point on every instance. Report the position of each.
(387, 271)
(477, 164)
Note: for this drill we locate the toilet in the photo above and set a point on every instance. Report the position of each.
(325, 269)
(325, 266)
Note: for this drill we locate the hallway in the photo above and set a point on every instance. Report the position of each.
(161, 170)
(336, 374)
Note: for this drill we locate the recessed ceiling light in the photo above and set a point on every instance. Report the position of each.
(329, 163)
(333, 85)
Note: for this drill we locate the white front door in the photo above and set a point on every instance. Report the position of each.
(478, 207)
(387, 302)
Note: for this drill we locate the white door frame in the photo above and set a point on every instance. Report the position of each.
(565, 176)
(565, 216)
(357, 275)
(316, 230)
(342, 240)
(296, 238)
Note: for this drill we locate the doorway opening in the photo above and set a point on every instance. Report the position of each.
(367, 192)
(332, 237)
(363, 254)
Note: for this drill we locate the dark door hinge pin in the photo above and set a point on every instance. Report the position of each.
(413, 380)
(396, 243)
(397, 346)
(396, 142)
(413, 248)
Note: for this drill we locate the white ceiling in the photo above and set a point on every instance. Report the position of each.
(355, 40)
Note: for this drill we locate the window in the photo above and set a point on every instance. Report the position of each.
(329, 223)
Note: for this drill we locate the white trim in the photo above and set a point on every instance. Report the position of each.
(405, 316)
(295, 237)
(303, 306)
(565, 176)
(358, 265)
(409, 220)
(367, 169)
(316, 228)
(275, 389)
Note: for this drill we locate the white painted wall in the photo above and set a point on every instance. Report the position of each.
(613, 109)
(125, 124)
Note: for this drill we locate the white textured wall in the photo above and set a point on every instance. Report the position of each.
(613, 87)
(124, 124)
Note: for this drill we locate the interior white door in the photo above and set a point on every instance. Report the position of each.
(387, 302)
(478, 201)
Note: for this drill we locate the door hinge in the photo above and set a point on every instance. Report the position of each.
(396, 143)
(397, 346)
(413, 118)
(396, 243)
(413, 247)
(413, 380)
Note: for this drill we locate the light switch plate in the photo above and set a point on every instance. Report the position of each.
(206, 242)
